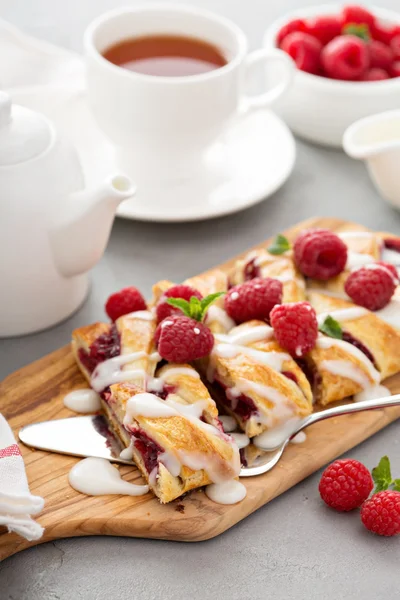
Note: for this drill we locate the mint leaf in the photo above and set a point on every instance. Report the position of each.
(279, 245)
(396, 485)
(332, 328)
(195, 309)
(205, 303)
(360, 30)
(180, 303)
(382, 475)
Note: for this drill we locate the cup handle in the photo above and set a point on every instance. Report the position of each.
(267, 98)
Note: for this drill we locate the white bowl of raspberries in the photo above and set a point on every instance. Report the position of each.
(348, 67)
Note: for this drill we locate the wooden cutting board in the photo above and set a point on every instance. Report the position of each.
(35, 393)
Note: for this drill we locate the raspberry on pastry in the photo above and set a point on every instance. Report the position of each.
(295, 327)
(253, 299)
(123, 302)
(372, 286)
(320, 253)
(182, 339)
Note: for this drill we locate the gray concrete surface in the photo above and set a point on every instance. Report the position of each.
(294, 548)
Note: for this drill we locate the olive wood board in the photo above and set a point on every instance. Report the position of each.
(35, 393)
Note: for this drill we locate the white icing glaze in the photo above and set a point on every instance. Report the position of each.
(326, 342)
(281, 409)
(300, 438)
(390, 256)
(332, 294)
(275, 437)
(347, 369)
(147, 405)
(248, 335)
(96, 476)
(83, 401)
(228, 423)
(372, 393)
(215, 313)
(127, 453)
(156, 384)
(391, 313)
(343, 314)
(241, 439)
(355, 260)
(355, 234)
(109, 371)
(228, 492)
(143, 315)
(173, 372)
(274, 360)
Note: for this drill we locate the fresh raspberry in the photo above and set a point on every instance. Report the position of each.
(291, 27)
(304, 49)
(123, 302)
(320, 253)
(180, 339)
(371, 287)
(345, 57)
(388, 267)
(253, 299)
(324, 27)
(295, 327)
(395, 69)
(165, 310)
(380, 55)
(395, 46)
(375, 75)
(345, 484)
(392, 244)
(381, 513)
(383, 33)
(357, 14)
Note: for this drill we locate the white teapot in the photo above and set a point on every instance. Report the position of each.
(52, 231)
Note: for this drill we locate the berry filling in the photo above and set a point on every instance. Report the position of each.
(392, 244)
(243, 460)
(251, 270)
(106, 346)
(164, 393)
(313, 375)
(244, 406)
(347, 337)
(291, 376)
(148, 449)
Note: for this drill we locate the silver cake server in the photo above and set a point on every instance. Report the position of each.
(90, 435)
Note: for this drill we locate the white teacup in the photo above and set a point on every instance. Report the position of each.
(162, 126)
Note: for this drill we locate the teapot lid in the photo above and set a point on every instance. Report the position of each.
(24, 134)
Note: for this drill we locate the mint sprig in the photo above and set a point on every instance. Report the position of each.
(331, 328)
(194, 308)
(280, 245)
(360, 30)
(382, 477)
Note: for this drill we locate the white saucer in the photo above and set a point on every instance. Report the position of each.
(251, 161)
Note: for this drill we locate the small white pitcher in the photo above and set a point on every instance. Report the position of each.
(376, 139)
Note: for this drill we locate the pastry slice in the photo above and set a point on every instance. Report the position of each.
(115, 352)
(254, 380)
(177, 442)
(377, 339)
(260, 263)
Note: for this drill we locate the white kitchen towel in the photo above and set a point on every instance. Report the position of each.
(26, 61)
(17, 504)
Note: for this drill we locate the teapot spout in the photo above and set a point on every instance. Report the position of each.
(80, 234)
